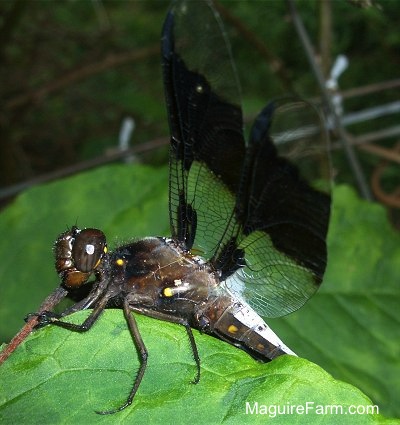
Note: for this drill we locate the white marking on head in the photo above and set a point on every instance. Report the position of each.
(89, 248)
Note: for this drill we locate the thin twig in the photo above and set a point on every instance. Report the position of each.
(390, 199)
(370, 137)
(83, 166)
(370, 88)
(10, 23)
(388, 154)
(275, 63)
(348, 149)
(48, 304)
(81, 73)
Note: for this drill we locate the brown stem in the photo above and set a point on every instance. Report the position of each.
(390, 199)
(48, 304)
(325, 13)
(274, 62)
(10, 23)
(81, 73)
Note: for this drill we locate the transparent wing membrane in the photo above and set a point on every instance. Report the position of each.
(258, 212)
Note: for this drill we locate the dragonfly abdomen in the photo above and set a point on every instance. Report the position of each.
(242, 326)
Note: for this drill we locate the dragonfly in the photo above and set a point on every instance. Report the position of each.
(248, 222)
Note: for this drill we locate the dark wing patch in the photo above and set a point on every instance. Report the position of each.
(285, 219)
(251, 211)
(277, 200)
(207, 145)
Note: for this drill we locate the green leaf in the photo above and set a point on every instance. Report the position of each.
(126, 202)
(61, 376)
(350, 328)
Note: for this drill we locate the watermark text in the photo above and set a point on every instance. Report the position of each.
(309, 407)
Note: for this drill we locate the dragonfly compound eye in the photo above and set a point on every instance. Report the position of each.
(88, 249)
(78, 253)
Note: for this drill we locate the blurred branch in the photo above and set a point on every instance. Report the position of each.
(81, 73)
(389, 154)
(84, 166)
(371, 88)
(274, 62)
(364, 90)
(325, 13)
(363, 4)
(10, 22)
(348, 149)
(390, 199)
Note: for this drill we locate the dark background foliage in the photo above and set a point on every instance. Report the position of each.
(350, 328)
(72, 70)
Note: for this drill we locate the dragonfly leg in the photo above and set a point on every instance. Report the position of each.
(143, 353)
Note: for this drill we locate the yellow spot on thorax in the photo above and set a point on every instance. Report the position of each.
(119, 262)
(168, 292)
